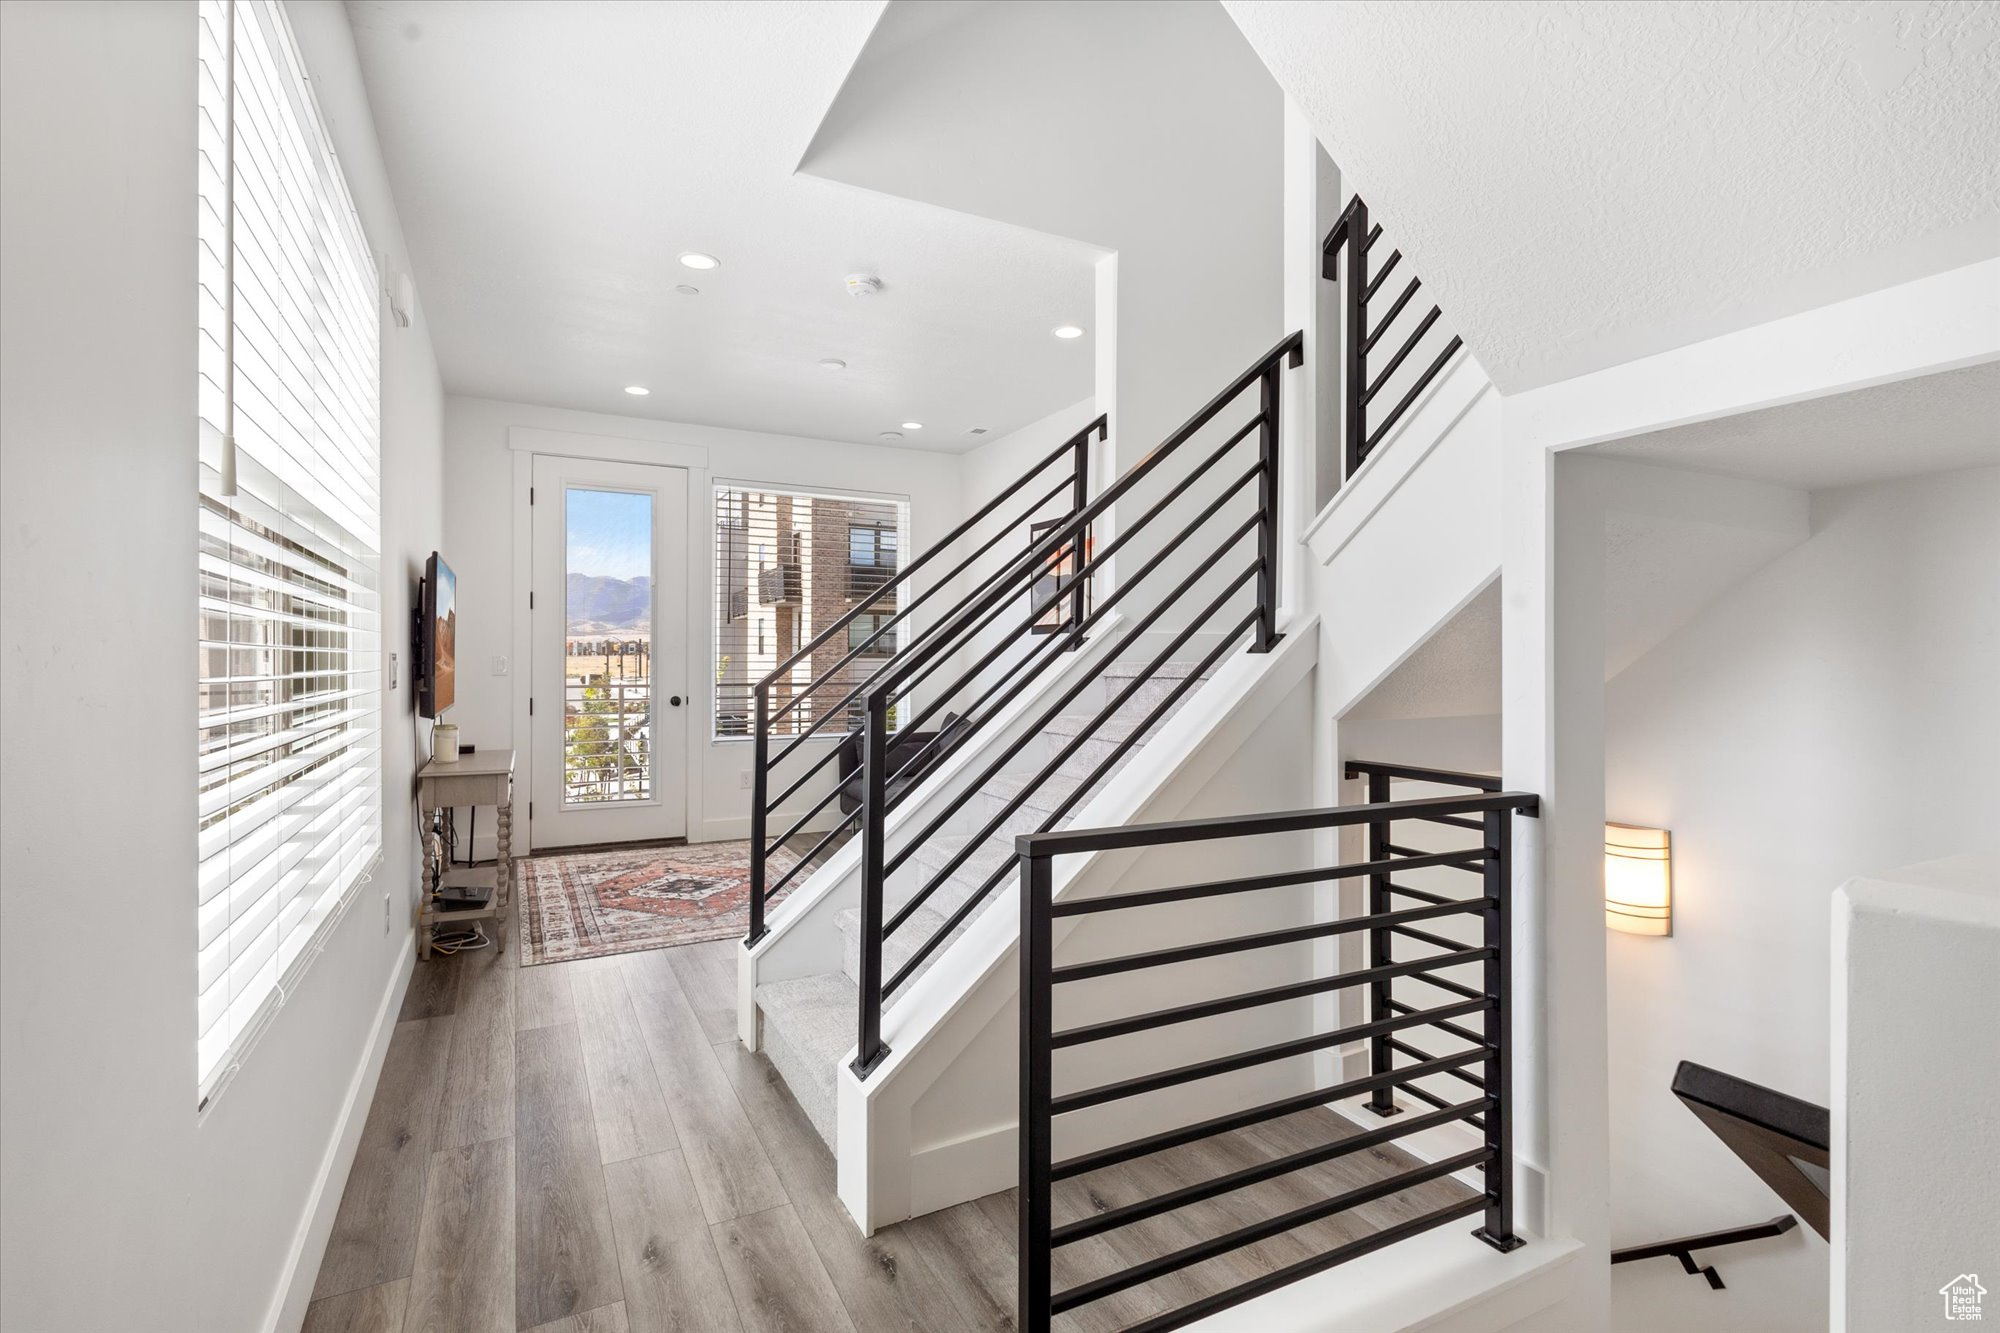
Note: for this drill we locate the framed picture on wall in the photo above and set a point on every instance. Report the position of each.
(1049, 601)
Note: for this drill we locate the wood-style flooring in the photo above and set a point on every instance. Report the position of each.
(584, 1147)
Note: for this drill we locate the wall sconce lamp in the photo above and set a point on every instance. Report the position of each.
(1638, 880)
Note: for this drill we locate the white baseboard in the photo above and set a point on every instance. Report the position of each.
(288, 1314)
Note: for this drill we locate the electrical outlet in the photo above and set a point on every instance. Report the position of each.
(743, 780)
(499, 665)
(392, 671)
(388, 915)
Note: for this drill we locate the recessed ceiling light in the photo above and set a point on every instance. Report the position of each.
(913, 425)
(832, 363)
(637, 390)
(686, 290)
(696, 259)
(1068, 330)
(892, 435)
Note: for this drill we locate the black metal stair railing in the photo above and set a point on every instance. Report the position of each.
(1219, 581)
(1485, 1062)
(1347, 246)
(811, 706)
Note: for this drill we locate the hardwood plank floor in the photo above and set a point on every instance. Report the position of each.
(374, 1237)
(583, 1147)
(376, 1309)
(722, 1147)
(632, 1117)
(566, 1262)
(673, 1277)
(465, 1252)
(478, 1097)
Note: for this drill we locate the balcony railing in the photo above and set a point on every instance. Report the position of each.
(607, 740)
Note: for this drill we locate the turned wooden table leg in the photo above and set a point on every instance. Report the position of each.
(503, 871)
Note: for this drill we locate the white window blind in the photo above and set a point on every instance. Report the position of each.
(289, 811)
(788, 565)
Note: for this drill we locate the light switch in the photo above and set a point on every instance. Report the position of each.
(499, 666)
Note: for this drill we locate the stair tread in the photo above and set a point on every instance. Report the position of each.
(898, 948)
(1127, 670)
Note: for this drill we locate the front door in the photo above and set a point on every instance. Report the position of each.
(608, 727)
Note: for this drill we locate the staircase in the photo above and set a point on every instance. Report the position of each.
(971, 726)
(809, 1022)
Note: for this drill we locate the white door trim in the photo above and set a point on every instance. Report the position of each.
(527, 441)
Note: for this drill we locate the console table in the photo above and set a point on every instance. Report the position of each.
(484, 777)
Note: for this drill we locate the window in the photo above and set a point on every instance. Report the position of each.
(289, 810)
(796, 562)
(871, 558)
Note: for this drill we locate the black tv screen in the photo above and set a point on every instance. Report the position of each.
(437, 643)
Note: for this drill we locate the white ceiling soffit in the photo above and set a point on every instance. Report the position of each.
(1907, 428)
(551, 161)
(1582, 184)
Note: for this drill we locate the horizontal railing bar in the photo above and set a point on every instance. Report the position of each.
(1297, 990)
(1408, 858)
(1289, 347)
(1444, 776)
(1381, 276)
(1415, 1054)
(1085, 1163)
(1402, 354)
(1438, 809)
(1111, 1219)
(1225, 1064)
(1099, 427)
(1437, 941)
(771, 890)
(1453, 820)
(1204, 1250)
(1423, 382)
(1090, 566)
(1070, 636)
(1195, 1311)
(1029, 733)
(1448, 986)
(1187, 953)
(771, 805)
(1462, 1033)
(966, 908)
(1423, 1095)
(1368, 343)
(804, 692)
(1151, 897)
(1421, 895)
(799, 824)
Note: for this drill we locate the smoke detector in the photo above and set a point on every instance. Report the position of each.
(863, 284)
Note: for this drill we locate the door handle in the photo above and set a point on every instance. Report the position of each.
(674, 700)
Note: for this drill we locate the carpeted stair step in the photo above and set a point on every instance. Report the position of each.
(809, 1026)
(900, 946)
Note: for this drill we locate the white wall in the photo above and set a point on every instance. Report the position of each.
(483, 507)
(1150, 130)
(1832, 715)
(986, 472)
(105, 1159)
(1915, 1133)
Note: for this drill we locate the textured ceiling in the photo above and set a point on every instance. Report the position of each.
(1932, 423)
(552, 160)
(1585, 183)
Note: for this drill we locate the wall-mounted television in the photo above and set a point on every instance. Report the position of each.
(436, 647)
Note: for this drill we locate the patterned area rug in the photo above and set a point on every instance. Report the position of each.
(589, 904)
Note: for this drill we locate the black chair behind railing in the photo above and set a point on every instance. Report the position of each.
(819, 706)
(1169, 536)
(1388, 1027)
(1347, 246)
